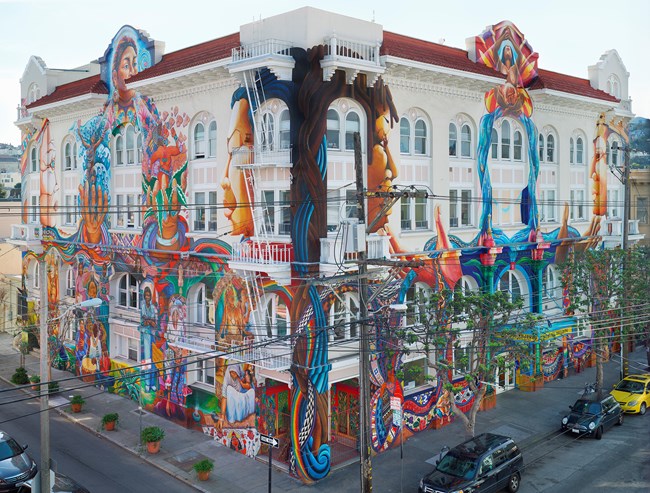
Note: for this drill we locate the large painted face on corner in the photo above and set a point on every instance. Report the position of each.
(127, 67)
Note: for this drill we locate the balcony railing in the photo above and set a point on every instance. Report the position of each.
(333, 250)
(258, 156)
(26, 232)
(614, 227)
(261, 48)
(262, 252)
(354, 50)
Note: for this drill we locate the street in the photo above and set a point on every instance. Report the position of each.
(97, 464)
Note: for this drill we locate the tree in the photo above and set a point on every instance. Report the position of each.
(490, 323)
(601, 285)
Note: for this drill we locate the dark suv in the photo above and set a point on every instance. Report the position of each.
(592, 416)
(487, 463)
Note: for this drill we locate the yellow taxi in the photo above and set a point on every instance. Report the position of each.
(633, 393)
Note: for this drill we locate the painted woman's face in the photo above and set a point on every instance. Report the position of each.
(127, 68)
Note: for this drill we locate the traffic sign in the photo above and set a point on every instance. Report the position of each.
(269, 440)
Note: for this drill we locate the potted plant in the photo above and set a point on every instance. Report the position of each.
(53, 387)
(203, 469)
(109, 421)
(152, 436)
(20, 376)
(35, 379)
(76, 402)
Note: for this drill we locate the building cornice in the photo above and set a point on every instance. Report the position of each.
(474, 96)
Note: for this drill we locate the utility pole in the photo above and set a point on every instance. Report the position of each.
(44, 370)
(364, 346)
(626, 245)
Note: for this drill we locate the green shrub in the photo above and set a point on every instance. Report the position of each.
(152, 434)
(53, 387)
(77, 399)
(20, 377)
(35, 379)
(110, 418)
(205, 465)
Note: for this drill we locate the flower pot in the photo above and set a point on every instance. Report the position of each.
(109, 425)
(203, 475)
(153, 447)
(36, 387)
(488, 402)
(76, 408)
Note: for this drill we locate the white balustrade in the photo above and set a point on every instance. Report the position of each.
(26, 232)
(357, 50)
(261, 48)
(332, 250)
(260, 252)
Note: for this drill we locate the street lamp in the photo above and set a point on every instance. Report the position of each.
(44, 474)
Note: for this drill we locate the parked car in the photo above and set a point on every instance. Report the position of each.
(633, 393)
(16, 466)
(592, 416)
(487, 462)
(62, 484)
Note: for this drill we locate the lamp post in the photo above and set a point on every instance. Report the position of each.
(44, 474)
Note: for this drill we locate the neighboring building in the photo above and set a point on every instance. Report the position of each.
(640, 203)
(208, 196)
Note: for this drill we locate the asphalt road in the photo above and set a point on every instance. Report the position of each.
(95, 463)
(619, 462)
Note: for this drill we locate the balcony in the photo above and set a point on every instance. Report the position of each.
(249, 157)
(338, 253)
(27, 237)
(613, 232)
(276, 356)
(273, 258)
(273, 54)
(353, 57)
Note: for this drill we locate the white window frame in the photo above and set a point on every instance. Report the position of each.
(128, 211)
(130, 291)
(127, 146)
(506, 284)
(205, 211)
(551, 284)
(126, 348)
(34, 216)
(72, 214)
(466, 142)
(453, 140)
(284, 129)
(423, 136)
(343, 317)
(204, 371)
(277, 214)
(460, 204)
(199, 141)
(200, 305)
(578, 205)
(404, 136)
(410, 206)
(33, 159)
(70, 154)
(548, 203)
(273, 305)
(506, 141)
(350, 129)
(70, 282)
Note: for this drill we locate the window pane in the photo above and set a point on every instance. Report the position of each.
(420, 137)
(579, 151)
(550, 149)
(404, 136)
(541, 147)
(285, 213)
(466, 141)
(199, 141)
(518, 146)
(268, 129)
(421, 219)
(571, 150)
(466, 211)
(352, 125)
(494, 144)
(199, 212)
(130, 145)
(212, 139)
(642, 209)
(213, 211)
(333, 127)
(505, 140)
(453, 208)
(268, 197)
(453, 138)
(285, 130)
(406, 212)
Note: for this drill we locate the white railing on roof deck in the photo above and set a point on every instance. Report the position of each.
(275, 356)
(332, 250)
(251, 156)
(261, 252)
(356, 50)
(261, 48)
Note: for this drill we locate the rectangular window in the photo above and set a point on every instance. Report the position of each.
(127, 347)
(421, 216)
(548, 206)
(505, 146)
(199, 211)
(133, 349)
(128, 211)
(333, 210)
(577, 204)
(69, 211)
(33, 213)
(212, 211)
(406, 213)
(414, 374)
(466, 208)
(268, 201)
(205, 371)
(612, 203)
(642, 209)
(285, 213)
(453, 208)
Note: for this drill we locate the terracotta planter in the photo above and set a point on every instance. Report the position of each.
(530, 384)
(36, 387)
(203, 475)
(488, 402)
(109, 425)
(76, 408)
(153, 447)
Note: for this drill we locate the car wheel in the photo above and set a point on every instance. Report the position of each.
(599, 433)
(620, 420)
(514, 483)
(642, 409)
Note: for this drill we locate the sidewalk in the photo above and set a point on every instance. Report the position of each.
(527, 417)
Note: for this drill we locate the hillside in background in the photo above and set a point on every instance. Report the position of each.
(640, 142)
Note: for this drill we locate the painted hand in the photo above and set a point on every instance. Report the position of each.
(94, 206)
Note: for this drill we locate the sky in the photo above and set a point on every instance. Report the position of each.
(569, 35)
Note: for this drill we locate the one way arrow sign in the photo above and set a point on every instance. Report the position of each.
(269, 440)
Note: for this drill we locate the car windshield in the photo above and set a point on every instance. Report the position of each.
(630, 386)
(461, 467)
(586, 407)
(9, 448)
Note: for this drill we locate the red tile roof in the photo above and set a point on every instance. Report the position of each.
(401, 46)
(89, 85)
(396, 45)
(200, 54)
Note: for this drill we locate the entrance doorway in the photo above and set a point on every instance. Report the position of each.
(345, 421)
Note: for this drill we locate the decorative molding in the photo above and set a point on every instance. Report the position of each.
(194, 90)
(443, 90)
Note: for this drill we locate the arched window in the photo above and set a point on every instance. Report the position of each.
(333, 128)
(128, 289)
(130, 145)
(212, 139)
(510, 284)
(453, 139)
(343, 318)
(550, 284)
(607, 154)
(138, 147)
(541, 147)
(199, 141)
(285, 130)
(571, 151)
(200, 306)
(277, 317)
(33, 159)
(579, 151)
(70, 281)
(550, 149)
(404, 136)
(614, 161)
(33, 93)
(119, 150)
(466, 285)
(420, 137)
(505, 140)
(268, 132)
(352, 125)
(518, 146)
(494, 144)
(37, 274)
(465, 141)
